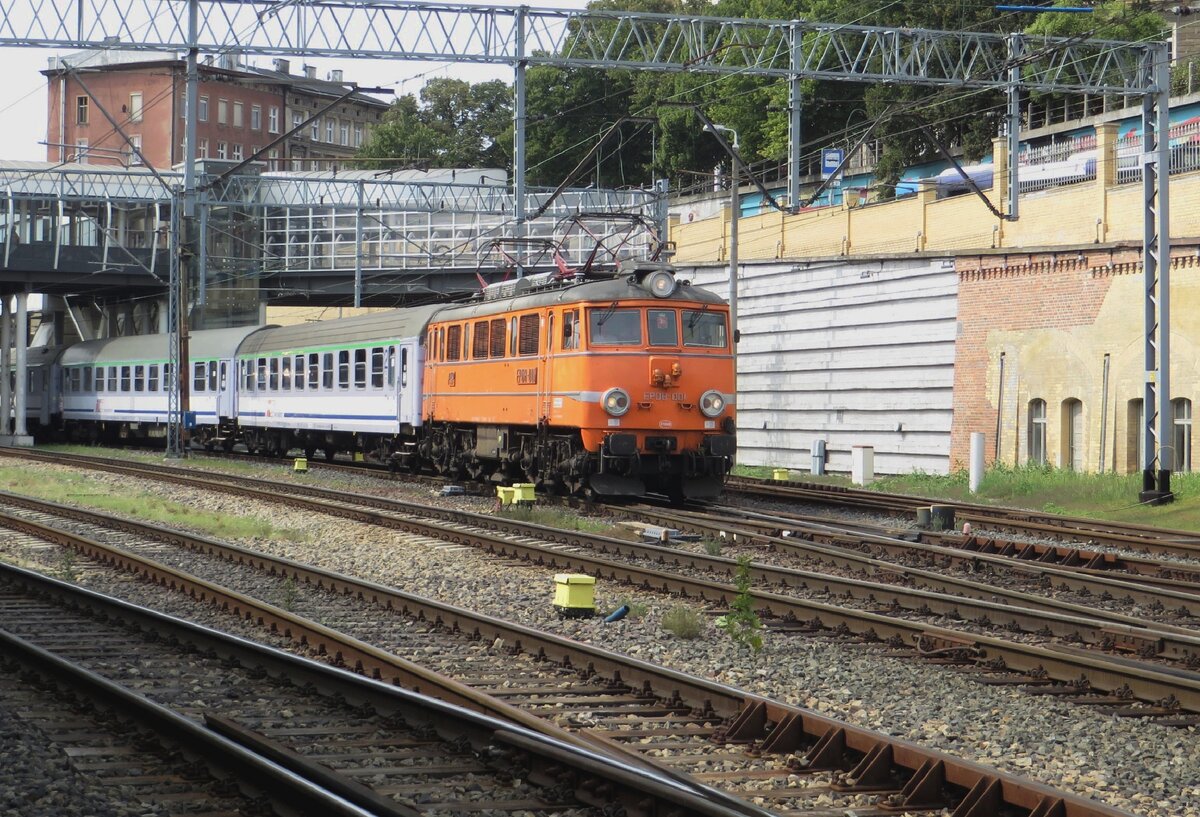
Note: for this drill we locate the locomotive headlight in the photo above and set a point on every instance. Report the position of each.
(615, 402)
(660, 283)
(712, 403)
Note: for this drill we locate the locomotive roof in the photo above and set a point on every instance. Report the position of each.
(377, 326)
(202, 344)
(604, 291)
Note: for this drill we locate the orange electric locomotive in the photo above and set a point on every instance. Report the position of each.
(616, 385)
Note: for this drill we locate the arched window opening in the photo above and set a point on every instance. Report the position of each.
(1181, 433)
(1072, 434)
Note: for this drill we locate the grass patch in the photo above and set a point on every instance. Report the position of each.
(92, 493)
(555, 518)
(683, 622)
(637, 609)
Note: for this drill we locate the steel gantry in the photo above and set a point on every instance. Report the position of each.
(792, 50)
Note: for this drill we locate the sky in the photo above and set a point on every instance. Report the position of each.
(23, 96)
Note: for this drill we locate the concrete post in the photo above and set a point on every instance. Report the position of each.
(21, 344)
(6, 404)
(1106, 173)
(976, 475)
(862, 464)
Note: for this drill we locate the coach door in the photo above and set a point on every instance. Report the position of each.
(225, 392)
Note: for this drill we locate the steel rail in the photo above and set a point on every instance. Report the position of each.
(1148, 685)
(782, 728)
(449, 720)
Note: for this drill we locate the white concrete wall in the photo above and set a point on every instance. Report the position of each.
(854, 352)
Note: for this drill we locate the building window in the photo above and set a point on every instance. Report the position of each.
(135, 157)
(1181, 433)
(254, 151)
(222, 111)
(81, 151)
(273, 119)
(201, 148)
(358, 134)
(1037, 432)
(135, 107)
(330, 123)
(345, 133)
(237, 152)
(81, 110)
(297, 120)
(256, 117)
(1072, 434)
(222, 150)
(202, 109)
(238, 109)
(316, 130)
(273, 155)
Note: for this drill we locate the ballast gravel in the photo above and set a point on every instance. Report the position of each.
(1130, 764)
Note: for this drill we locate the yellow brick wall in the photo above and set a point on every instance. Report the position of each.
(1056, 217)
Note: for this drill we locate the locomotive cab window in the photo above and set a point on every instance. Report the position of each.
(570, 329)
(702, 328)
(615, 327)
(661, 328)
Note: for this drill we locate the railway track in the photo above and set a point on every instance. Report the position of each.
(314, 740)
(973, 633)
(798, 756)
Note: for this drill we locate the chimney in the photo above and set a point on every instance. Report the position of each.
(283, 66)
(335, 75)
(310, 72)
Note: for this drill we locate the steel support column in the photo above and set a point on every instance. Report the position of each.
(358, 247)
(21, 344)
(1156, 264)
(795, 122)
(6, 333)
(518, 182)
(1015, 50)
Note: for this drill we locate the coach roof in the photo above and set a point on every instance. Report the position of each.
(377, 327)
(203, 344)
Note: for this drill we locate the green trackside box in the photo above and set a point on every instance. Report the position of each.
(574, 595)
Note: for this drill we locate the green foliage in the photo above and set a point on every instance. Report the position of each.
(683, 622)
(712, 547)
(66, 564)
(290, 593)
(741, 622)
(637, 609)
(454, 124)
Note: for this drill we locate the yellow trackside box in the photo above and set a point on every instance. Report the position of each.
(780, 474)
(574, 594)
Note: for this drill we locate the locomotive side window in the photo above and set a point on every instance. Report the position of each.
(126, 378)
(702, 328)
(479, 348)
(661, 327)
(453, 342)
(498, 338)
(570, 329)
(139, 378)
(377, 367)
(360, 368)
(327, 370)
(615, 327)
(152, 381)
(314, 370)
(343, 369)
(530, 331)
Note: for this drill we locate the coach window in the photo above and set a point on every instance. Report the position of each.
(298, 368)
(529, 329)
(285, 373)
(260, 379)
(152, 380)
(126, 378)
(248, 375)
(113, 385)
(314, 370)
(701, 328)
(197, 377)
(377, 367)
(86, 373)
(360, 368)
(139, 378)
(453, 342)
(212, 375)
(1181, 427)
(614, 327)
(343, 369)
(403, 367)
(273, 377)
(1037, 432)
(570, 329)
(479, 348)
(99, 378)
(497, 346)
(661, 327)
(327, 370)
